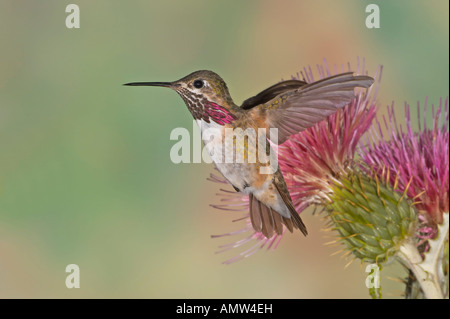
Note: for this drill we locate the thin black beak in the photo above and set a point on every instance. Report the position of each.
(163, 84)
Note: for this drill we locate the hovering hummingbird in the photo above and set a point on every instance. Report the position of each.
(289, 106)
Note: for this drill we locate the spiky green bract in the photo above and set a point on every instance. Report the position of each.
(371, 218)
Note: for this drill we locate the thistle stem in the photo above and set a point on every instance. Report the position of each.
(428, 280)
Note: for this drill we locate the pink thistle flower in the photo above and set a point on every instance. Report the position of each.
(417, 162)
(310, 161)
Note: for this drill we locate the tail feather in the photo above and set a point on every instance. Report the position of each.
(277, 222)
(288, 223)
(268, 227)
(264, 220)
(255, 216)
(267, 221)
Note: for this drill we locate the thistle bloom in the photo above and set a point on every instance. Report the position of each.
(392, 201)
(416, 161)
(417, 164)
(311, 161)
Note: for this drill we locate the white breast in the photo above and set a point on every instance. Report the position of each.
(236, 172)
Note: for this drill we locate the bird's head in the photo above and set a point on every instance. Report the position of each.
(205, 93)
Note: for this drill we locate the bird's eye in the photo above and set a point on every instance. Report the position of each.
(198, 84)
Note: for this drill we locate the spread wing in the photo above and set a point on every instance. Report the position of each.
(293, 109)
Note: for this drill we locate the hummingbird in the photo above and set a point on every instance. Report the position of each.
(289, 106)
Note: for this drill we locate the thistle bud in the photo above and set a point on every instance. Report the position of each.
(371, 218)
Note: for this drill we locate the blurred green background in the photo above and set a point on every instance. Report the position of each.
(85, 173)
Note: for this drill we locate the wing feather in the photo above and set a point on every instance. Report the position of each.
(299, 106)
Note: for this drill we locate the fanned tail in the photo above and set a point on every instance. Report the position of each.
(269, 222)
